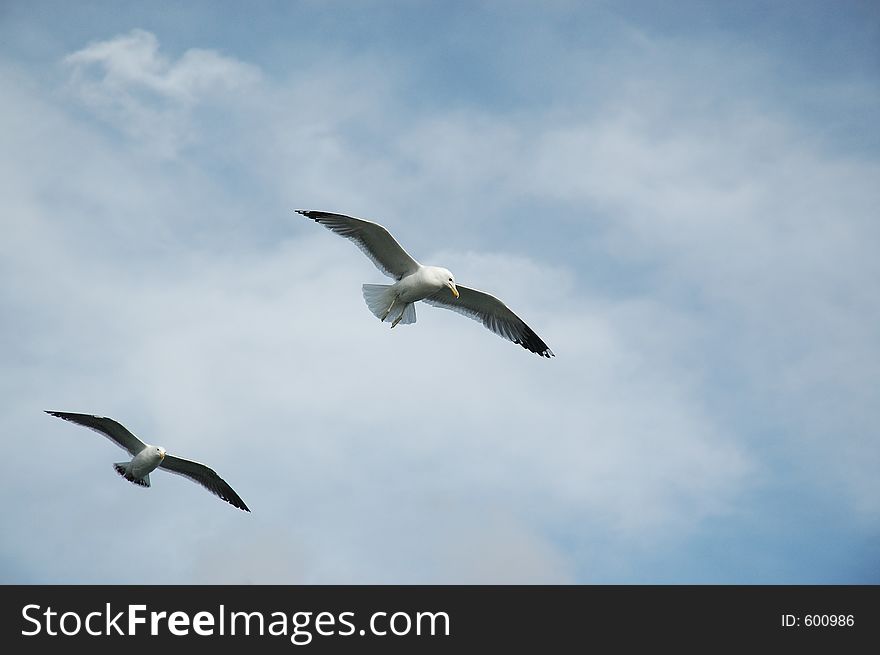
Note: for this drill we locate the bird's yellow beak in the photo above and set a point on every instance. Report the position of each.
(453, 289)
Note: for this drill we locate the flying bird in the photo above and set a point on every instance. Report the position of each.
(147, 458)
(435, 285)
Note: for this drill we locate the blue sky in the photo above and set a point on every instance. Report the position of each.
(681, 200)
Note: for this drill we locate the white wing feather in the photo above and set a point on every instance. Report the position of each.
(116, 432)
(493, 314)
(205, 476)
(374, 241)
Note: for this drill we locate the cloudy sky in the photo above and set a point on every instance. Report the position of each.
(681, 199)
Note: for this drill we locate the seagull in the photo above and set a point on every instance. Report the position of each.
(433, 284)
(147, 458)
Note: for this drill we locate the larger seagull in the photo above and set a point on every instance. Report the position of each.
(433, 284)
(147, 458)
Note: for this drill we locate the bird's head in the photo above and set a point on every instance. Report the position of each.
(448, 280)
(160, 452)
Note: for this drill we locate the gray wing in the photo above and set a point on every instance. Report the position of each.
(374, 240)
(205, 476)
(492, 313)
(114, 431)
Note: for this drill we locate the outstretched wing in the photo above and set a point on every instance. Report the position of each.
(205, 476)
(374, 240)
(114, 431)
(492, 313)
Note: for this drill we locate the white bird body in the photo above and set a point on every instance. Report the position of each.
(394, 302)
(142, 464)
(415, 282)
(426, 281)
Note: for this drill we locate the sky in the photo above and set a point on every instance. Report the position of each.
(680, 199)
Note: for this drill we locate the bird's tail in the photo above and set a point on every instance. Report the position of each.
(120, 468)
(381, 300)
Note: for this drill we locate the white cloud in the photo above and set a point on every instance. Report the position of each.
(771, 239)
(150, 97)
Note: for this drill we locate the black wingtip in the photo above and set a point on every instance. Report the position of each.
(238, 503)
(230, 496)
(318, 215)
(67, 416)
(533, 343)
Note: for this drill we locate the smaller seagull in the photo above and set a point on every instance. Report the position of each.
(147, 458)
(433, 284)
